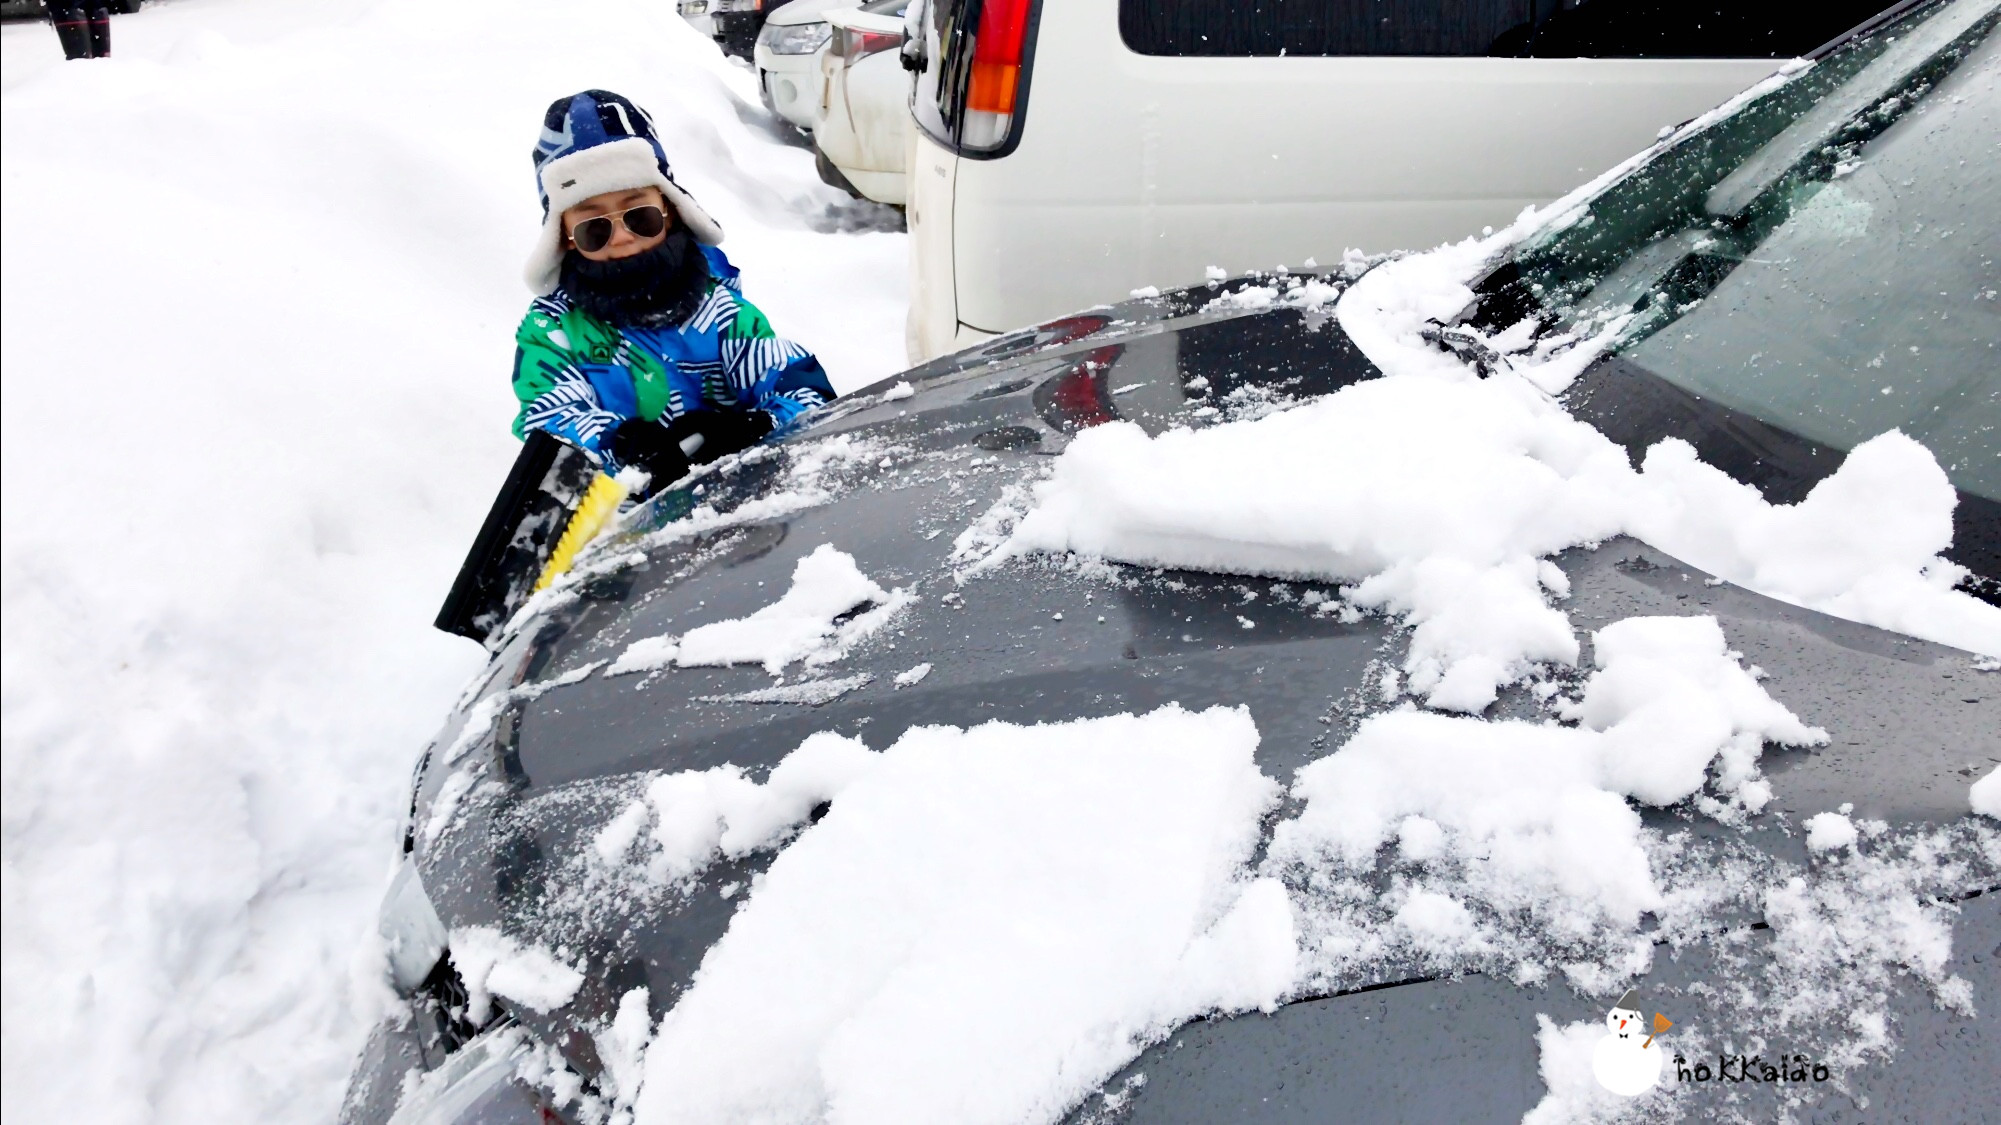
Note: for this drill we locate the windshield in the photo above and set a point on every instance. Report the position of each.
(1824, 260)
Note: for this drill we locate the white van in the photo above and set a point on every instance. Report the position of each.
(1071, 151)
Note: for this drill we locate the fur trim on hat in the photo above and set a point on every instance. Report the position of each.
(619, 165)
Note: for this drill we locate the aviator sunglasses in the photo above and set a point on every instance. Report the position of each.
(592, 235)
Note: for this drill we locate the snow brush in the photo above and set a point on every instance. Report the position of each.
(534, 506)
(600, 502)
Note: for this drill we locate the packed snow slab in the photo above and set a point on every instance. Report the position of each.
(986, 923)
(296, 337)
(803, 624)
(1440, 496)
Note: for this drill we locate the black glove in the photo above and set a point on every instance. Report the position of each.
(723, 432)
(649, 446)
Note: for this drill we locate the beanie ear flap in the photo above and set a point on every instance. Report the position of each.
(545, 263)
(706, 230)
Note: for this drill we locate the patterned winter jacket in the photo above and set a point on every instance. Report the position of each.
(578, 377)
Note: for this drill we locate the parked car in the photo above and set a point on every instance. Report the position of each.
(735, 24)
(866, 129)
(696, 12)
(1069, 153)
(1767, 273)
(788, 59)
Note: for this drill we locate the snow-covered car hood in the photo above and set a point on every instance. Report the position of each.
(540, 816)
(1280, 645)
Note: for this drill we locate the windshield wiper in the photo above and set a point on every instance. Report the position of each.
(1815, 128)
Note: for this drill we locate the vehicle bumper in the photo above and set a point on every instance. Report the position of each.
(882, 187)
(790, 85)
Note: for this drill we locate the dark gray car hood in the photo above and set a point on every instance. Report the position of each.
(1912, 722)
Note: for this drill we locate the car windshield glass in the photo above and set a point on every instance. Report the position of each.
(1824, 259)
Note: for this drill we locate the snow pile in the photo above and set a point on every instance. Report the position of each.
(801, 625)
(1671, 699)
(622, 1046)
(494, 964)
(1829, 831)
(697, 815)
(1438, 496)
(1863, 545)
(250, 427)
(986, 923)
(1514, 838)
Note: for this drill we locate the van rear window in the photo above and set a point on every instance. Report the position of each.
(1518, 28)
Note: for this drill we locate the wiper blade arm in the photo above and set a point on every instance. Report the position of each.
(1817, 126)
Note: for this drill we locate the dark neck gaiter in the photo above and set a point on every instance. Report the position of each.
(652, 289)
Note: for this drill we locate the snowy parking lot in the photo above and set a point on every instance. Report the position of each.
(262, 271)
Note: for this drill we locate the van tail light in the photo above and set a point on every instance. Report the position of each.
(995, 82)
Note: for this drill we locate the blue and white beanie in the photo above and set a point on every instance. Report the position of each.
(592, 143)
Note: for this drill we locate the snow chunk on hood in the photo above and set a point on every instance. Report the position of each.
(986, 923)
(1829, 831)
(1671, 698)
(1985, 795)
(1439, 495)
(494, 964)
(1538, 810)
(1863, 545)
(801, 625)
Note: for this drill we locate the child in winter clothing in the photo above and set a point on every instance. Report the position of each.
(639, 348)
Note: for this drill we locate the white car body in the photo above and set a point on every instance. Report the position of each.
(696, 12)
(1130, 170)
(866, 130)
(790, 83)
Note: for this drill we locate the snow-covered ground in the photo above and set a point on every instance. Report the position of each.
(261, 275)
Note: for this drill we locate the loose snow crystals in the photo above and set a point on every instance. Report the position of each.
(494, 964)
(803, 625)
(985, 924)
